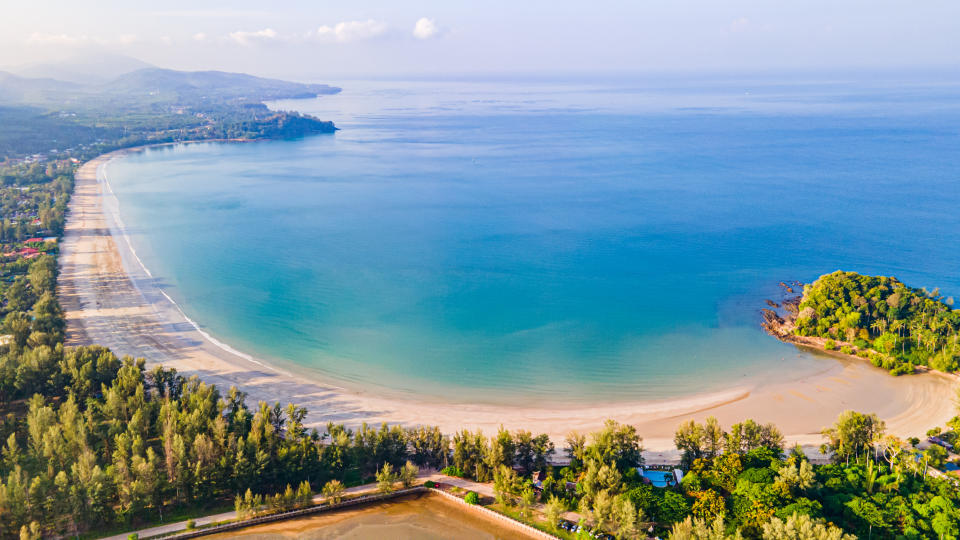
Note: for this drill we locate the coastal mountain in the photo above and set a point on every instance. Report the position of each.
(207, 85)
(149, 105)
(15, 89)
(151, 86)
(88, 68)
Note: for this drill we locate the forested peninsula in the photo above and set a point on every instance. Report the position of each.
(896, 327)
(47, 119)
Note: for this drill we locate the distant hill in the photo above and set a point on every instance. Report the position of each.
(153, 86)
(190, 86)
(43, 115)
(17, 89)
(94, 68)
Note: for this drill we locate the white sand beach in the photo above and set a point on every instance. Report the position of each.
(111, 300)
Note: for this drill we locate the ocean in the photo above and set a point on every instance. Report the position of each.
(543, 241)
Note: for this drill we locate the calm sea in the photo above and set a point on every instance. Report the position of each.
(500, 241)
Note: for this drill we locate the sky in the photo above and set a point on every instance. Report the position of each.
(317, 40)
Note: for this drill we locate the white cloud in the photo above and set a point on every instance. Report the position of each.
(199, 36)
(352, 30)
(425, 28)
(251, 38)
(739, 25)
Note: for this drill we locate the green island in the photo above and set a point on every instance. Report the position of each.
(93, 444)
(896, 327)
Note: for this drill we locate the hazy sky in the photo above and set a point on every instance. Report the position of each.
(321, 39)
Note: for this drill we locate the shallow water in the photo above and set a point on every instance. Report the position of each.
(547, 242)
(410, 518)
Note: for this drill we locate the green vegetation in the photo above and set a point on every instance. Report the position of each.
(895, 326)
(471, 498)
(741, 484)
(54, 118)
(451, 470)
(251, 505)
(333, 491)
(876, 486)
(477, 457)
(92, 442)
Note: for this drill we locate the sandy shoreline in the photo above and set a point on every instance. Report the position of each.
(111, 300)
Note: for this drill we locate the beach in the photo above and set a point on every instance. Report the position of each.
(112, 300)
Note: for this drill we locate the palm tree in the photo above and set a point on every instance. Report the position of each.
(870, 477)
(916, 330)
(897, 326)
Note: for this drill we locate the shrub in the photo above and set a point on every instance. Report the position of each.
(452, 471)
(902, 369)
(472, 498)
(408, 474)
(133, 536)
(386, 478)
(944, 361)
(830, 345)
(846, 349)
(191, 524)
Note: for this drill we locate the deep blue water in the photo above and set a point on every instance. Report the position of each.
(549, 241)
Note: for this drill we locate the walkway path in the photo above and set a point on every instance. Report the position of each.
(482, 489)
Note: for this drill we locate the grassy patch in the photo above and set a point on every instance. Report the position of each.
(536, 520)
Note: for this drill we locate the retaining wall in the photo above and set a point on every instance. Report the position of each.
(366, 499)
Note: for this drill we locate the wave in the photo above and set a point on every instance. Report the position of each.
(118, 228)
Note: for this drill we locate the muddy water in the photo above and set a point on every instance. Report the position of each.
(417, 517)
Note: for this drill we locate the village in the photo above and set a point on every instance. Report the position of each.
(33, 201)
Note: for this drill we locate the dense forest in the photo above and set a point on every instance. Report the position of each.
(876, 487)
(879, 318)
(29, 130)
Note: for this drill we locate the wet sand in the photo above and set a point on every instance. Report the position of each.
(112, 300)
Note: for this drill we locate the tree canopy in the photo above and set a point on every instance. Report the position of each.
(895, 326)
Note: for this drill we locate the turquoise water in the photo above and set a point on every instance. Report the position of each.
(546, 241)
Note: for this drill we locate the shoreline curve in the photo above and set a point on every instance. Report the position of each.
(110, 301)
